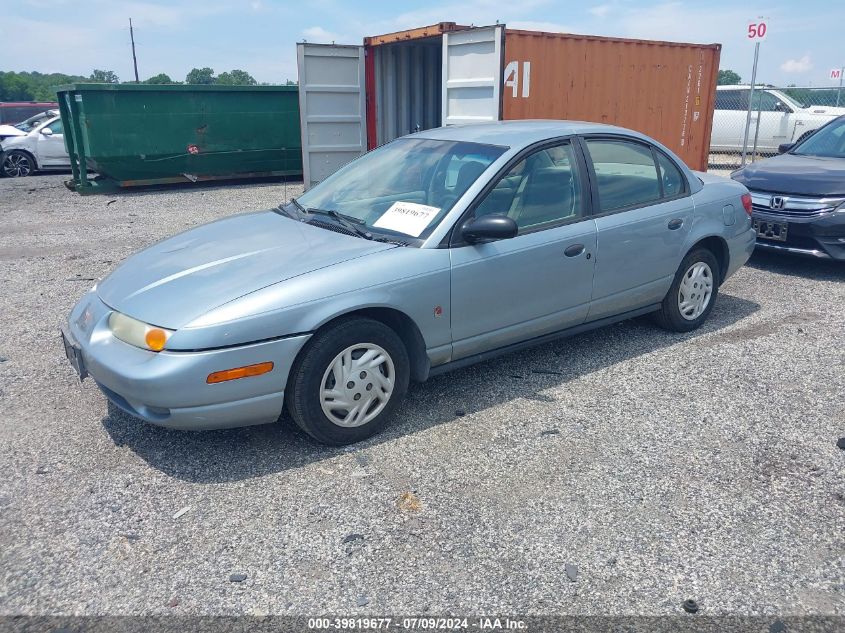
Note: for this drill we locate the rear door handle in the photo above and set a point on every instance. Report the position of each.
(675, 224)
(574, 250)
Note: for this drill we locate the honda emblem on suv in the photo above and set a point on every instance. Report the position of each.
(777, 202)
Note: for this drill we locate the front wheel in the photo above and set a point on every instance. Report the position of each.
(692, 294)
(348, 381)
(17, 164)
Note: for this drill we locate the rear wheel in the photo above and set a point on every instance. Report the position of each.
(348, 381)
(17, 164)
(692, 294)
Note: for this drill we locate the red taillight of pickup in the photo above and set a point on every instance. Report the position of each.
(746, 203)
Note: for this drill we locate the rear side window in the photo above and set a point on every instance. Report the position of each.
(670, 177)
(732, 99)
(625, 173)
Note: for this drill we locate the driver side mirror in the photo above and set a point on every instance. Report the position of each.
(783, 148)
(47, 131)
(782, 107)
(489, 228)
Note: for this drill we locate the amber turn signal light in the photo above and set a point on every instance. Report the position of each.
(239, 372)
(155, 339)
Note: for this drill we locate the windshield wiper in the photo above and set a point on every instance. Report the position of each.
(285, 210)
(345, 221)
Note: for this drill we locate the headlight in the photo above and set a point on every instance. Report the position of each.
(138, 333)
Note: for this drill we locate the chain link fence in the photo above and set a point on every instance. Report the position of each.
(779, 116)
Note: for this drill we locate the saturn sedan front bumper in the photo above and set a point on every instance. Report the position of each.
(169, 388)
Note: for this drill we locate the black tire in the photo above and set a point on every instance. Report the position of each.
(669, 316)
(306, 379)
(17, 164)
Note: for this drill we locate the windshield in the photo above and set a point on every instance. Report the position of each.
(33, 122)
(404, 188)
(828, 141)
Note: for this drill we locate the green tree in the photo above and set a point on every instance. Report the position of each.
(33, 86)
(236, 78)
(203, 76)
(161, 78)
(104, 77)
(14, 87)
(728, 78)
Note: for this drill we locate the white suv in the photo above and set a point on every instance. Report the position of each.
(42, 146)
(782, 119)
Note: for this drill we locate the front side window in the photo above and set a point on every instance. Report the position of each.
(541, 190)
(766, 102)
(56, 127)
(625, 173)
(404, 188)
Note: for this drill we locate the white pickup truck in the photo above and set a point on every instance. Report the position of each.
(782, 119)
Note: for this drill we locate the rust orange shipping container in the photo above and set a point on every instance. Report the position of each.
(354, 98)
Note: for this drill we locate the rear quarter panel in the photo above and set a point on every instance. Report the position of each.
(719, 213)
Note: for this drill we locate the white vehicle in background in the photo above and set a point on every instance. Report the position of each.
(782, 119)
(40, 145)
(21, 129)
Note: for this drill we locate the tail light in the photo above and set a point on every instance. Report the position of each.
(746, 203)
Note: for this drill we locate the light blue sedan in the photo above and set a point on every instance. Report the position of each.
(435, 251)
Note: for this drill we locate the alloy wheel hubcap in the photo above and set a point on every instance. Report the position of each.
(357, 385)
(16, 165)
(695, 291)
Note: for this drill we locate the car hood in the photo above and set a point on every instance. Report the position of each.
(799, 175)
(827, 110)
(10, 130)
(181, 278)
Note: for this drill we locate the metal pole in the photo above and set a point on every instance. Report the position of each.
(839, 92)
(750, 98)
(757, 130)
(134, 59)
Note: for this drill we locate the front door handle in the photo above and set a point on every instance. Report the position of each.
(675, 224)
(574, 250)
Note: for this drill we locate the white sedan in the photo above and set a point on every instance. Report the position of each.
(41, 145)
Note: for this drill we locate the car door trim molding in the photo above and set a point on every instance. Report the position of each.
(452, 238)
(595, 207)
(539, 340)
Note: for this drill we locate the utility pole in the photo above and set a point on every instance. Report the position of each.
(134, 59)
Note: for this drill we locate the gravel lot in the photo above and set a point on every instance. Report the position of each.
(663, 467)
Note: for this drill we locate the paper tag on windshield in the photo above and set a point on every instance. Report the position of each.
(409, 218)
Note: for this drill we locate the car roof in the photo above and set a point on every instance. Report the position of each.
(747, 87)
(519, 133)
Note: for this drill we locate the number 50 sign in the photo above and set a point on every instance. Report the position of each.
(757, 30)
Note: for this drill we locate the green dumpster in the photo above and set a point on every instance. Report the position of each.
(138, 134)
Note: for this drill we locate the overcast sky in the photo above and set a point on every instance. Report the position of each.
(259, 36)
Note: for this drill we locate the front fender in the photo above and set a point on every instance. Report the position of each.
(411, 280)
